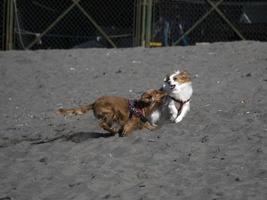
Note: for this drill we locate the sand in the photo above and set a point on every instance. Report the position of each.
(218, 151)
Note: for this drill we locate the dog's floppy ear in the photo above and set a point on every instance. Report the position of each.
(184, 72)
(159, 95)
(184, 77)
(162, 93)
(147, 97)
(153, 96)
(166, 78)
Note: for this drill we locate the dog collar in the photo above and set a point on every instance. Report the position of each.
(139, 112)
(180, 101)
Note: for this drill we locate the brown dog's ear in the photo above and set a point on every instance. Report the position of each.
(158, 95)
(161, 94)
(153, 95)
(147, 97)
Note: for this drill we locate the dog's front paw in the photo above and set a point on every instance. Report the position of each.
(178, 119)
(173, 117)
(150, 127)
(122, 133)
(154, 127)
(125, 130)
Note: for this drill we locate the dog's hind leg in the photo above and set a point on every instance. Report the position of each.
(106, 126)
(106, 123)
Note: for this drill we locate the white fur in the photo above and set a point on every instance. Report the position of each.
(169, 111)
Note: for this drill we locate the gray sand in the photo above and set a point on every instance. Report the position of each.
(219, 150)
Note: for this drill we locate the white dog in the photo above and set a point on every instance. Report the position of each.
(179, 88)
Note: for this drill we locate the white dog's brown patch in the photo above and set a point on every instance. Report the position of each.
(182, 77)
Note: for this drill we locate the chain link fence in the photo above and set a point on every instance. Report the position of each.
(186, 22)
(73, 23)
(57, 24)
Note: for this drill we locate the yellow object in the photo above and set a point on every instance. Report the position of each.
(155, 44)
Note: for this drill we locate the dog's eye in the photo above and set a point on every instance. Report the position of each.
(175, 78)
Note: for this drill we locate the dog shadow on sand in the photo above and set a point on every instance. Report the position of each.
(74, 137)
(82, 136)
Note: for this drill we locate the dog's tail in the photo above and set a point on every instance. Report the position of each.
(75, 111)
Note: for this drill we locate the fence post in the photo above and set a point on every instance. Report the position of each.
(9, 29)
(143, 33)
(148, 22)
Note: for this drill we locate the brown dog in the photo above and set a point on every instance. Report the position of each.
(129, 115)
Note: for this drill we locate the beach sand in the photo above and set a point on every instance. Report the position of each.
(218, 151)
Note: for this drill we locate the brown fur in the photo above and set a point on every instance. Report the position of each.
(182, 77)
(114, 109)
